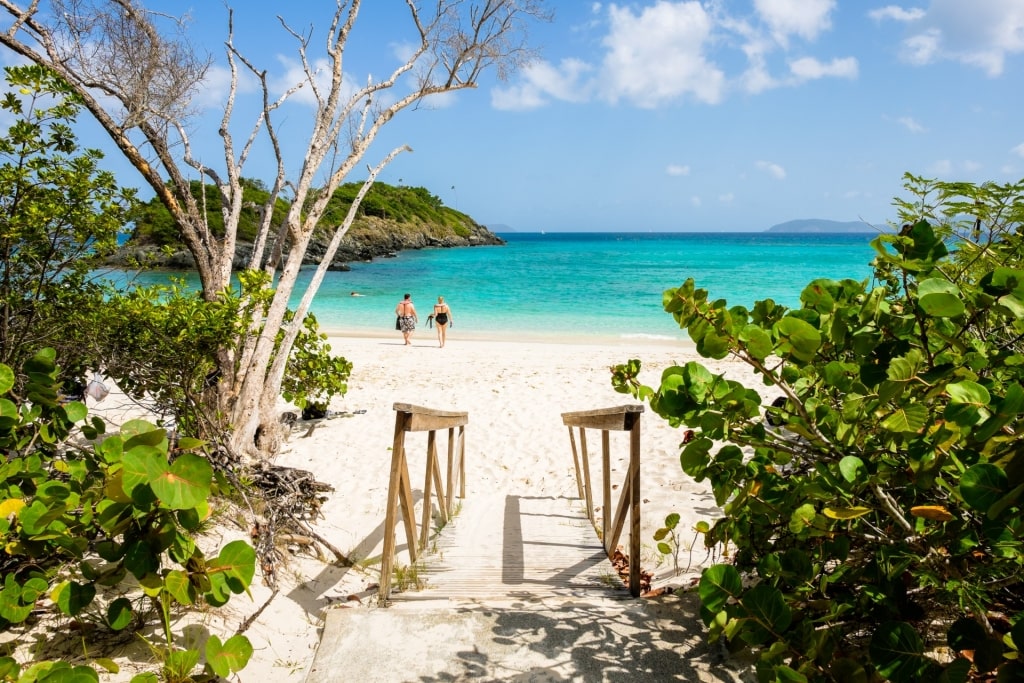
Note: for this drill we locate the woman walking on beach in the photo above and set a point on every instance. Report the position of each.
(442, 316)
(407, 319)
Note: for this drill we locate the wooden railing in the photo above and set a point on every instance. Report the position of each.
(622, 418)
(410, 418)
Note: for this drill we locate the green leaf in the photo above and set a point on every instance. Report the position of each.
(967, 391)
(75, 411)
(940, 298)
(758, 342)
(142, 465)
(178, 586)
(768, 606)
(852, 468)
(229, 657)
(803, 519)
(797, 338)
(119, 614)
(185, 484)
(983, 485)
(717, 585)
(6, 379)
(897, 652)
(906, 419)
(236, 564)
(72, 597)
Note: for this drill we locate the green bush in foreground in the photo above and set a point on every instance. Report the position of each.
(117, 517)
(873, 523)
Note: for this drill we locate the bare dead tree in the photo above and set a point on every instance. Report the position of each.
(138, 73)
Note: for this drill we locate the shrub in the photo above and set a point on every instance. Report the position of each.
(121, 512)
(880, 506)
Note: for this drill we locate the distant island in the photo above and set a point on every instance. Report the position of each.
(821, 225)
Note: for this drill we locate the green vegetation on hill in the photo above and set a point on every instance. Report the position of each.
(408, 206)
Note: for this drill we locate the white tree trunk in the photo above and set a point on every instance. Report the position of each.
(137, 81)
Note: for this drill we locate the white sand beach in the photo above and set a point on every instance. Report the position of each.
(514, 393)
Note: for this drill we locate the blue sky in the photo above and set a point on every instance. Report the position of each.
(684, 116)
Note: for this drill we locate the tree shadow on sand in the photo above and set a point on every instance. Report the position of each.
(656, 640)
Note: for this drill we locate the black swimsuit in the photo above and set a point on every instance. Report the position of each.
(441, 318)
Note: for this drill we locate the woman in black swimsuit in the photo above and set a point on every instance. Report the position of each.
(442, 316)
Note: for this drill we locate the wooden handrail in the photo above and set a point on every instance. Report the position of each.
(412, 418)
(621, 418)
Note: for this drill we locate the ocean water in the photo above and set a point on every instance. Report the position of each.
(582, 285)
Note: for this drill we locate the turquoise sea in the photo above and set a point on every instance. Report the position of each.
(583, 285)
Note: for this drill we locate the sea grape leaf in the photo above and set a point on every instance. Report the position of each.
(759, 342)
(717, 585)
(967, 391)
(897, 652)
(768, 607)
(142, 465)
(940, 298)
(230, 656)
(185, 484)
(935, 513)
(846, 513)
(983, 485)
(72, 597)
(236, 563)
(797, 338)
(119, 613)
(852, 468)
(906, 419)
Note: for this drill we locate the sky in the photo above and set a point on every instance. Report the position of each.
(670, 116)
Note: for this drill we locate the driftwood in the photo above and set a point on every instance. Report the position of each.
(287, 499)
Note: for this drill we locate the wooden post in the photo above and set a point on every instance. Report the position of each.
(576, 464)
(622, 418)
(606, 497)
(410, 418)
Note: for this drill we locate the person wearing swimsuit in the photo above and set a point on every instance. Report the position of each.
(442, 316)
(407, 319)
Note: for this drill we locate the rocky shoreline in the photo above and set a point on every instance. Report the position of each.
(369, 238)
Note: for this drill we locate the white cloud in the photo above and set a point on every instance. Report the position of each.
(922, 48)
(543, 82)
(658, 55)
(695, 200)
(972, 166)
(910, 124)
(942, 167)
(1019, 150)
(808, 68)
(726, 197)
(897, 13)
(981, 33)
(774, 170)
(666, 51)
(677, 169)
(804, 18)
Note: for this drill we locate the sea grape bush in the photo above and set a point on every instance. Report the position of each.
(118, 512)
(873, 526)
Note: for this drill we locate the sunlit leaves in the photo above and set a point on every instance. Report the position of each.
(940, 298)
(797, 339)
(906, 419)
